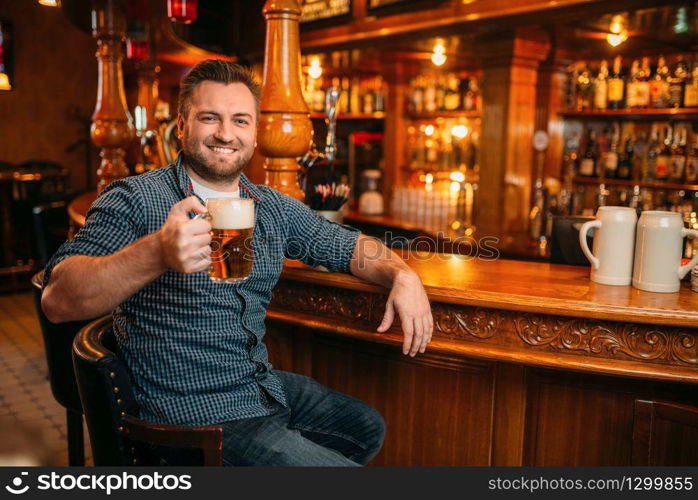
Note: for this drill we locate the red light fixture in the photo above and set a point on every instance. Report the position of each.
(136, 50)
(182, 11)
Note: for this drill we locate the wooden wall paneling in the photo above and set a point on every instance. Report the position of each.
(665, 434)
(280, 341)
(510, 64)
(437, 408)
(509, 419)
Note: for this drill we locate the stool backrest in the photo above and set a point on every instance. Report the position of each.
(105, 392)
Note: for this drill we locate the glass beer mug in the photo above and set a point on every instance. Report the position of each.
(232, 225)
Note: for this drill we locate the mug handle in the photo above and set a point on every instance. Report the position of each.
(583, 241)
(204, 215)
(683, 270)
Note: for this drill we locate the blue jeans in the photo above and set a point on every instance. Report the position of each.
(321, 427)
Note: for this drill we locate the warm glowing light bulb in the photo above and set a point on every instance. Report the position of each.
(429, 130)
(459, 131)
(50, 3)
(616, 40)
(438, 58)
(455, 187)
(457, 176)
(315, 70)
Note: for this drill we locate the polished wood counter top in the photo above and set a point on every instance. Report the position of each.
(527, 286)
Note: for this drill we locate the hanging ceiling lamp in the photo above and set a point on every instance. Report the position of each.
(182, 11)
(50, 3)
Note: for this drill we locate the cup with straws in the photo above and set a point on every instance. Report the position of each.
(327, 200)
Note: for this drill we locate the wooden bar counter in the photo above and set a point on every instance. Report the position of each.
(530, 363)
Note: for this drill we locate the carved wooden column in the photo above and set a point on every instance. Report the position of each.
(112, 127)
(510, 64)
(285, 131)
(148, 84)
(550, 97)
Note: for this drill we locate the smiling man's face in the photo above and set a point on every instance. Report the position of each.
(219, 130)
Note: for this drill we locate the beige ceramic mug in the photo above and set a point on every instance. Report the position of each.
(658, 252)
(614, 242)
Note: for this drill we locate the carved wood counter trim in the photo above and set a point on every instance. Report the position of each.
(591, 345)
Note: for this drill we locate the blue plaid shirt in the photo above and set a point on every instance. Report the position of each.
(194, 347)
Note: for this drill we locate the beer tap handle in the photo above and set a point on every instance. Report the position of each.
(331, 99)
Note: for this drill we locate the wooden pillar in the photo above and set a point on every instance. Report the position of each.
(112, 127)
(510, 64)
(395, 128)
(550, 97)
(285, 131)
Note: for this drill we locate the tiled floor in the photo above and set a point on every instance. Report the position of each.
(32, 423)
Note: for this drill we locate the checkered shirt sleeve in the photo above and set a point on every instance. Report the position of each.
(114, 221)
(314, 240)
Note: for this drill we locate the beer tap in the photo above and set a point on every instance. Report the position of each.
(313, 155)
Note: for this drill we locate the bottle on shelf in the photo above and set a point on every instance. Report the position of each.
(692, 162)
(585, 89)
(636, 200)
(379, 100)
(367, 98)
(631, 87)
(677, 83)
(610, 158)
(678, 155)
(587, 163)
(417, 100)
(355, 95)
(642, 85)
(663, 157)
(659, 86)
(318, 96)
(690, 95)
(344, 104)
(640, 166)
(472, 96)
(616, 86)
(653, 149)
(452, 99)
(625, 165)
(429, 94)
(601, 87)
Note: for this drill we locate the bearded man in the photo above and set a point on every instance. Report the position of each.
(194, 347)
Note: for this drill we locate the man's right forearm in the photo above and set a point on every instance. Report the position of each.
(83, 287)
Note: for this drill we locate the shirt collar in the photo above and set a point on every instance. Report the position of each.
(247, 188)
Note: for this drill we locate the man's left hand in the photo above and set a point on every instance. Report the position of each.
(409, 301)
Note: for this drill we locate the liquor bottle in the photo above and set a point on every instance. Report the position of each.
(692, 162)
(625, 165)
(343, 105)
(585, 89)
(663, 157)
(659, 86)
(690, 95)
(440, 93)
(677, 82)
(472, 96)
(452, 100)
(631, 87)
(642, 86)
(429, 95)
(587, 164)
(678, 155)
(367, 99)
(355, 96)
(640, 169)
(616, 86)
(318, 97)
(610, 158)
(418, 95)
(379, 101)
(601, 87)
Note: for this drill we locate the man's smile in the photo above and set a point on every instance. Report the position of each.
(223, 149)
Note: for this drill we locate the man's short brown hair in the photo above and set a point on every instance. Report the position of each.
(216, 70)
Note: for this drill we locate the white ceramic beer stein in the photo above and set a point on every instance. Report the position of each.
(658, 252)
(614, 241)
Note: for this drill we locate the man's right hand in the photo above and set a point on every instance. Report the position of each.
(185, 242)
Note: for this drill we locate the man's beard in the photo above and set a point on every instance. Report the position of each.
(194, 159)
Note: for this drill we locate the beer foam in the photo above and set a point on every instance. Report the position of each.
(231, 213)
